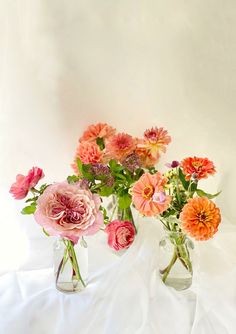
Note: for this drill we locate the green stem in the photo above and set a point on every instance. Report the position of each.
(168, 268)
(72, 256)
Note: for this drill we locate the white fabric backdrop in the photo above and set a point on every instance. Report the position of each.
(133, 64)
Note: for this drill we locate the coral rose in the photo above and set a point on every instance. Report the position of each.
(200, 218)
(23, 184)
(148, 194)
(69, 211)
(121, 234)
(198, 167)
(120, 146)
(99, 130)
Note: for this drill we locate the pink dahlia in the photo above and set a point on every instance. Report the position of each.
(158, 136)
(23, 184)
(68, 211)
(148, 194)
(154, 142)
(99, 130)
(198, 168)
(121, 234)
(88, 153)
(120, 146)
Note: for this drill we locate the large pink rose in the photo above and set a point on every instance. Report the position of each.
(23, 184)
(69, 211)
(121, 234)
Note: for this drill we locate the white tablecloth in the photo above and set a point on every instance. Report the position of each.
(125, 294)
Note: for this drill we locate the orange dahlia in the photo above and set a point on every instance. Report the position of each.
(88, 153)
(199, 168)
(120, 146)
(99, 130)
(200, 218)
(148, 194)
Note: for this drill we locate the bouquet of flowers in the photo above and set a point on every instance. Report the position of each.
(184, 210)
(123, 167)
(110, 163)
(66, 210)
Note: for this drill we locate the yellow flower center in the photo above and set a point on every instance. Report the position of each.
(197, 164)
(202, 217)
(148, 192)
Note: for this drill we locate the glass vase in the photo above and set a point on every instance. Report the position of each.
(116, 213)
(70, 265)
(176, 260)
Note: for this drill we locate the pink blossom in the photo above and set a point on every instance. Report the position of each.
(121, 234)
(69, 211)
(23, 184)
(34, 175)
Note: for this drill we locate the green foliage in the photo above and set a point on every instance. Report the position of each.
(72, 179)
(42, 188)
(28, 210)
(124, 201)
(184, 182)
(105, 191)
(202, 193)
(100, 143)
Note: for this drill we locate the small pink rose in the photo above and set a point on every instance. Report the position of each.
(23, 184)
(34, 175)
(121, 234)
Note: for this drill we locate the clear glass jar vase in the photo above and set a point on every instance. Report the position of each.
(70, 265)
(176, 260)
(116, 213)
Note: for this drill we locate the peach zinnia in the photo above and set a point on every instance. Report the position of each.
(148, 194)
(200, 218)
(200, 168)
(99, 130)
(120, 146)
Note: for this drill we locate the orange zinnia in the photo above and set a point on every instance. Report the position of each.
(200, 168)
(200, 218)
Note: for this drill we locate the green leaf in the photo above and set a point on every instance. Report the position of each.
(193, 187)
(86, 171)
(33, 199)
(79, 165)
(115, 167)
(28, 210)
(202, 193)
(182, 179)
(100, 143)
(72, 179)
(124, 201)
(106, 191)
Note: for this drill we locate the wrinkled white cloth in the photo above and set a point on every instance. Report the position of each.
(125, 294)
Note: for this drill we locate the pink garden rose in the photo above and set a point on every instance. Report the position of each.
(69, 211)
(121, 234)
(23, 184)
